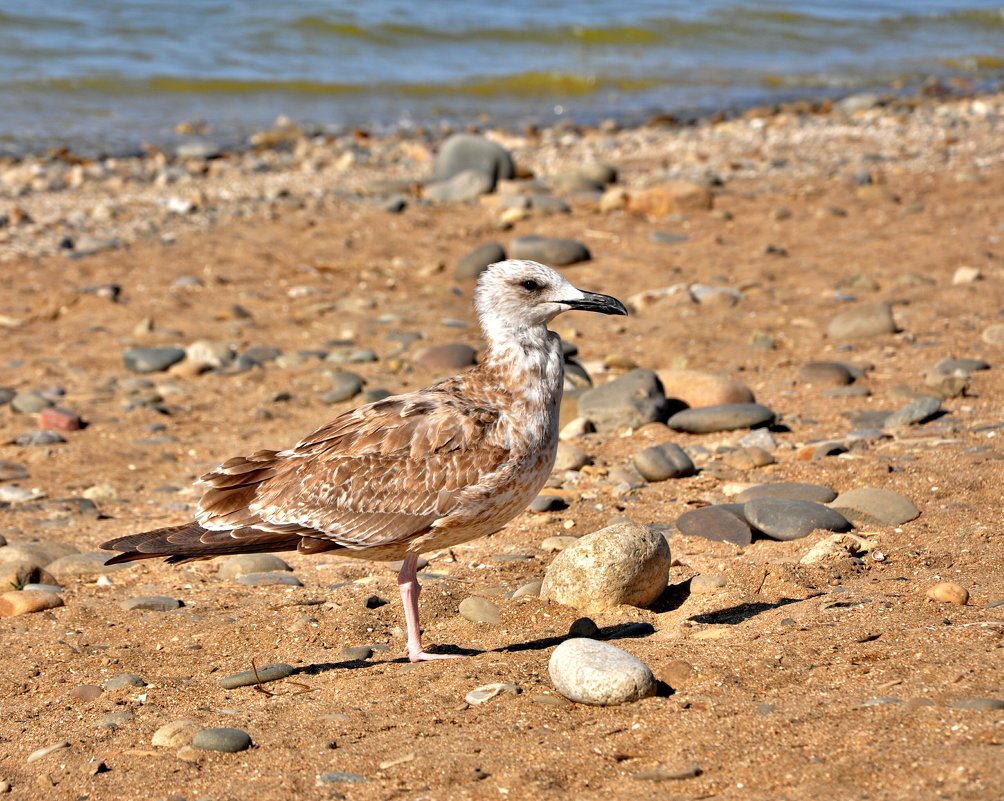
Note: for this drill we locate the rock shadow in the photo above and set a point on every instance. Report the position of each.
(741, 612)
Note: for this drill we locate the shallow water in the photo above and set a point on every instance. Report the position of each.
(114, 73)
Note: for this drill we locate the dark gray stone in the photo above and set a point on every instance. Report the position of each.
(463, 186)
(340, 777)
(224, 739)
(727, 417)
(29, 438)
(960, 367)
(918, 410)
(356, 653)
(466, 151)
(269, 579)
(151, 360)
(793, 490)
(832, 373)
(866, 320)
(266, 673)
(548, 503)
(631, 401)
(715, 523)
(662, 462)
(476, 261)
(786, 519)
(124, 681)
(260, 354)
(553, 251)
(345, 386)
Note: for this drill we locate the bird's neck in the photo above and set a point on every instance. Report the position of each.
(528, 364)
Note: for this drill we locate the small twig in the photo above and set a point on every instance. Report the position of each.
(258, 685)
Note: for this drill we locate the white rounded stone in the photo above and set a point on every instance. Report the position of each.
(592, 672)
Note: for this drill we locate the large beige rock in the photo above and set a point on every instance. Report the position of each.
(698, 388)
(622, 564)
(672, 197)
(14, 575)
(22, 603)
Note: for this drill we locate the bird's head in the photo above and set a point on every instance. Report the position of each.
(519, 294)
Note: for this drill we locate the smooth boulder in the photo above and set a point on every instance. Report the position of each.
(592, 672)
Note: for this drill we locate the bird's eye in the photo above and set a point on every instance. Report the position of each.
(531, 285)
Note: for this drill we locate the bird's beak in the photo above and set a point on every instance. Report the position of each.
(595, 302)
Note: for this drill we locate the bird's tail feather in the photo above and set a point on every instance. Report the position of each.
(191, 541)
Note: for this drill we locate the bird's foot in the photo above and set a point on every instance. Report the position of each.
(424, 656)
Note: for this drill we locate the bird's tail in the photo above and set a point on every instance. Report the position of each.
(191, 541)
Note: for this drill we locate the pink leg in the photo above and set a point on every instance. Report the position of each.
(407, 580)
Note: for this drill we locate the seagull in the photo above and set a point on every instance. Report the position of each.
(410, 473)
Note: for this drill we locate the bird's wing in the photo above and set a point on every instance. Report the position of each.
(381, 474)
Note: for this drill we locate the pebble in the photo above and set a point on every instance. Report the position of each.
(875, 507)
(866, 320)
(548, 503)
(486, 692)
(464, 151)
(792, 490)
(622, 564)
(36, 438)
(20, 573)
(43, 752)
(662, 462)
(529, 590)
(356, 653)
(786, 519)
(207, 355)
(669, 198)
(584, 627)
(269, 579)
(86, 692)
(994, 334)
(949, 592)
(83, 565)
(554, 251)
(677, 672)
(454, 356)
(978, 704)
(223, 739)
(29, 403)
(476, 261)
(571, 458)
(12, 471)
(674, 773)
(27, 601)
(237, 566)
(115, 719)
(631, 401)
(697, 388)
(966, 275)
(57, 418)
(151, 360)
(838, 546)
(479, 610)
(151, 603)
(340, 777)
(123, 681)
(726, 417)
(832, 373)
(262, 675)
(592, 672)
(715, 523)
(175, 734)
(464, 186)
(344, 386)
(918, 410)
(702, 584)
(960, 367)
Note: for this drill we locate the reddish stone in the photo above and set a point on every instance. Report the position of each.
(59, 419)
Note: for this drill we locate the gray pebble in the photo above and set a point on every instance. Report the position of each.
(33, 438)
(548, 503)
(785, 519)
(151, 603)
(224, 739)
(115, 719)
(29, 403)
(571, 458)
(237, 566)
(793, 490)
(584, 627)
(123, 681)
(12, 471)
(271, 578)
(464, 151)
(918, 410)
(825, 373)
(151, 360)
(727, 417)
(344, 386)
(476, 261)
(866, 320)
(960, 367)
(662, 462)
(631, 401)
(464, 186)
(83, 565)
(591, 672)
(978, 704)
(553, 251)
(715, 523)
(485, 693)
(479, 610)
(876, 507)
(340, 777)
(668, 237)
(261, 354)
(265, 673)
(356, 653)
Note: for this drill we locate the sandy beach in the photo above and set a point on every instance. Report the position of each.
(309, 273)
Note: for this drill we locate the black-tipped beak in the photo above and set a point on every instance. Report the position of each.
(595, 302)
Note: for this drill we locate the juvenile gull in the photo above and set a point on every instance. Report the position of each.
(410, 473)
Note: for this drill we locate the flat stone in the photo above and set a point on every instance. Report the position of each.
(548, 503)
(669, 198)
(726, 417)
(344, 386)
(176, 734)
(151, 360)
(269, 579)
(571, 458)
(866, 320)
(672, 773)
(237, 566)
(356, 653)
(479, 610)
(592, 672)
(83, 565)
(41, 553)
(876, 507)
(115, 719)
(151, 603)
(86, 692)
(553, 251)
(786, 519)
(918, 410)
(29, 403)
(39, 438)
(702, 584)
(961, 367)
(454, 356)
(485, 693)
(793, 490)
(697, 388)
(715, 523)
(223, 739)
(993, 334)
(340, 777)
(978, 704)
(41, 753)
(662, 462)
(459, 188)
(464, 151)
(27, 601)
(124, 681)
(529, 590)
(476, 261)
(12, 471)
(827, 373)
(631, 401)
(264, 674)
(621, 564)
